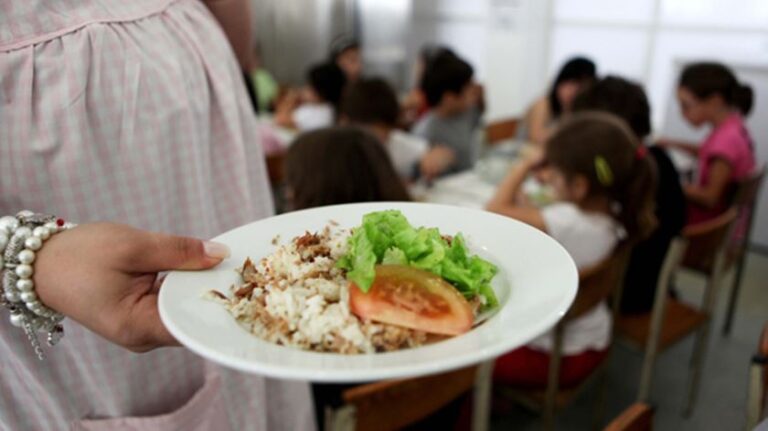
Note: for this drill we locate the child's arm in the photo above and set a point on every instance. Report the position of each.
(538, 122)
(687, 147)
(718, 179)
(504, 200)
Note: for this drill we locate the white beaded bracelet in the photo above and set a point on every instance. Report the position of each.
(21, 237)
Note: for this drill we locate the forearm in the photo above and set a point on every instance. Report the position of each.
(700, 196)
(234, 16)
(509, 188)
(687, 147)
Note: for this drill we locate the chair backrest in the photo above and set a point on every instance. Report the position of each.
(600, 282)
(745, 201)
(501, 130)
(748, 189)
(758, 384)
(638, 417)
(706, 241)
(395, 404)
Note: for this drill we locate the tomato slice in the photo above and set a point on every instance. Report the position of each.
(413, 298)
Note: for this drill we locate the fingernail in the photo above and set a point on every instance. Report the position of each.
(215, 250)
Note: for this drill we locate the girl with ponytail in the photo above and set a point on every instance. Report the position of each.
(605, 185)
(709, 94)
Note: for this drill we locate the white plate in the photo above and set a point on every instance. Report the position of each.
(536, 284)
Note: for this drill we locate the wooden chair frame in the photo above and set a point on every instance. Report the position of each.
(746, 202)
(477, 379)
(638, 417)
(501, 130)
(714, 233)
(758, 383)
(596, 284)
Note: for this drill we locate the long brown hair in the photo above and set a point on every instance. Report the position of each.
(705, 80)
(601, 148)
(341, 165)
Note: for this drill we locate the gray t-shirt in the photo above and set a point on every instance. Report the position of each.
(456, 132)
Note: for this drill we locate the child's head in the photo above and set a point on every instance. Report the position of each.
(345, 53)
(370, 102)
(326, 83)
(707, 89)
(621, 97)
(427, 55)
(447, 84)
(594, 156)
(571, 78)
(340, 165)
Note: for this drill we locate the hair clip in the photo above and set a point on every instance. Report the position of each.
(603, 171)
(641, 152)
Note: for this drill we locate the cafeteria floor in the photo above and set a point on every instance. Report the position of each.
(722, 398)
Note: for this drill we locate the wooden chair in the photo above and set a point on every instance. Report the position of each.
(276, 168)
(501, 130)
(758, 383)
(745, 201)
(394, 404)
(596, 284)
(638, 417)
(701, 246)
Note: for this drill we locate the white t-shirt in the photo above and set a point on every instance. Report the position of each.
(311, 116)
(406, 151)
(589, 238)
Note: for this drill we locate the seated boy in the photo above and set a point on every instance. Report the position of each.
(455, 109)
(372, 104)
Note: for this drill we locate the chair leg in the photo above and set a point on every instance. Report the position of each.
(553, 378)
(671, 262)
(734, 296)
(481, 397)
(695, 371)
(702, 336)
(600, 399)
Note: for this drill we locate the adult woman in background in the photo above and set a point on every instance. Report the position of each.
(546, 112)
(133, 112)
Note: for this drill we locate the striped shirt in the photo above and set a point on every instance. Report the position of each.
(129, 111)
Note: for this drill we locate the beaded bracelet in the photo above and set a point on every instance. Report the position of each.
(21, 237)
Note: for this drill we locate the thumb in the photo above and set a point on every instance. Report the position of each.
(168, 252)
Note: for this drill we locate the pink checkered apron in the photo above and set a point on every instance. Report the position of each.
(130, 111)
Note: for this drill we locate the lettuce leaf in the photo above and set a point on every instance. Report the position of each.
(386, 237)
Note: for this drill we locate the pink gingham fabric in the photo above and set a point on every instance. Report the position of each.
(129, 111)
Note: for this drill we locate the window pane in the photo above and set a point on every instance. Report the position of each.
(613, 11)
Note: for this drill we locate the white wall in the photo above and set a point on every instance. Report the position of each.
(505, 40)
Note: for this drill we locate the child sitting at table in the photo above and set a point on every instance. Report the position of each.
(317, 104)
(604, 185)
(456, 107)
(345, 165)
(628, 101)
(340, 165)
(371, 103)
(709, 94)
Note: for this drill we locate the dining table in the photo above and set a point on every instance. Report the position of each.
(475, 187)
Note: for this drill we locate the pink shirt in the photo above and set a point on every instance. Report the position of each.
(730, 142)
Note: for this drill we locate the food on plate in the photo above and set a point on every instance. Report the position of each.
(381, 286)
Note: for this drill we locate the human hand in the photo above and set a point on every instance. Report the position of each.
(436, 161)
(285, 106)
(105, 277)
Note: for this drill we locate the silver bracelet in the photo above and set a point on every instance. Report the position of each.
(21, 237)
